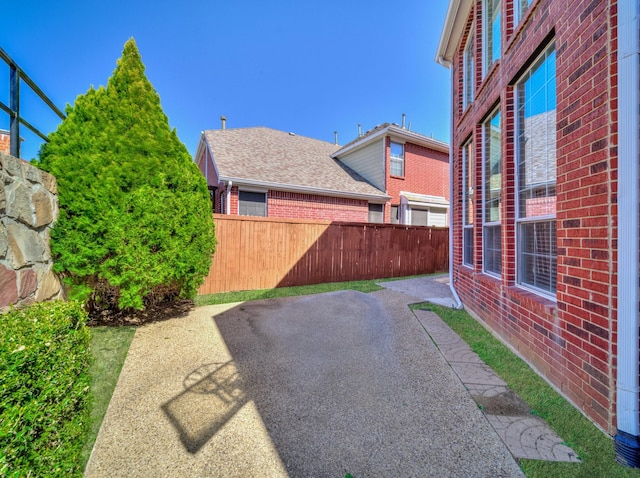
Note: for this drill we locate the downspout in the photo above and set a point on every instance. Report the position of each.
(627, 439)
(456, 298)
(229, 186)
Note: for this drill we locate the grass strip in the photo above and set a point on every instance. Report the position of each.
(592, 446)
(246, 295)
(109, 347)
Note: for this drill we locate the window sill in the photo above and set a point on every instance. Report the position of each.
(546, 304)
(396, 177)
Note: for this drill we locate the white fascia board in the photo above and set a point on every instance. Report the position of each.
(404, 135)
(454, 24)
(253, 183)
(359, 144)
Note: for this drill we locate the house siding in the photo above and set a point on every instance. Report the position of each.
(368, 161)
(569, 339)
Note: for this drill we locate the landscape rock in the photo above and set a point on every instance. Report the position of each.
(8, 286)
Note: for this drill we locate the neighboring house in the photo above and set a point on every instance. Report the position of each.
(545, 191)
(411, 168)
(265, 172)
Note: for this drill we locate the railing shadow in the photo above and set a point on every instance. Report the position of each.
(213, 394)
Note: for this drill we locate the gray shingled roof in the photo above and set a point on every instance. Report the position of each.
(283, 159)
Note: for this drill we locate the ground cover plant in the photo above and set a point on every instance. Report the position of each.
(135, 225)
(593, 446)
(44, 386)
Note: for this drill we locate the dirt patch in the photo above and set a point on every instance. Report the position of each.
(507, 404)
(152, 313)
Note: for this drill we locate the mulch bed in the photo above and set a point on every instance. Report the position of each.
(152, 313)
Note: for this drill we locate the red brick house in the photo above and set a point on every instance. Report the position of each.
(412, 168)
(544, 149)
(389, 174)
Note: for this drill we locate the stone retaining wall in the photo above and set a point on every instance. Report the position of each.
(28, 208)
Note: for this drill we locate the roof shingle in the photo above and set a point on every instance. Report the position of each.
(283, 159)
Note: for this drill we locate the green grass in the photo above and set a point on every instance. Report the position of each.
(245, 295)
(592, 446)
(109, 347)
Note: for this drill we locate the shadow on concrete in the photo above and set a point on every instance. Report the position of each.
(213, 394)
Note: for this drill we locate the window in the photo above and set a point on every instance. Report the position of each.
(397, 159)
(522, 6)
(490, 33)
(492, 215)
(468, 209)
(395, 216)
(536, 176)
(376, 213)
(252, 204)
(468, 72)
(419, 217)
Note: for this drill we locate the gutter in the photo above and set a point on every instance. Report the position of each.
(456, 298)
(229, 186)
(375, 198)
(627, 439)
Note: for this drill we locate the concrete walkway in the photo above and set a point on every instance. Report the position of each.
(320, 385)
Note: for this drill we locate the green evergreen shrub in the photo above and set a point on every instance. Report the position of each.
(135, 224)
(44, 387)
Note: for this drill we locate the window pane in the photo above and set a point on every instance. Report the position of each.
(523, 5)
(468, 185)
(468, 72)
(376, 213)
(538, 256)
(493, 169)
(492, 249)
(252, 204)
(397, 159)
(537, 139)
(397, 167)
(397, 150)
(491, 28)
(419, 217)
(467, 254)
(394, 215)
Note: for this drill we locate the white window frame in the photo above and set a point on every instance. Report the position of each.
(533, 219)
(488, 39)
(467, 168)
(396, 159)
(468, 74)
(487, 224)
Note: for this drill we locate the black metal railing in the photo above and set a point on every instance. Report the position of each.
(16, 74)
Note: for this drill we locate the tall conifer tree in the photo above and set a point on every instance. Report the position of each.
(135, 217)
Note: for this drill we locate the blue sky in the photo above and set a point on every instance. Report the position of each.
(307, 66)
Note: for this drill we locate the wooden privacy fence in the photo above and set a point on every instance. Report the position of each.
(263, 253)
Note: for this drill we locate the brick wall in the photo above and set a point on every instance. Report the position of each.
(426, 171)
(571, 341)
(311, 206)
(5, 143)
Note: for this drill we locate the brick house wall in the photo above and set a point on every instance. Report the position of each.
(570, 340)
(426, 171)
(5, 143)
(292, 205)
